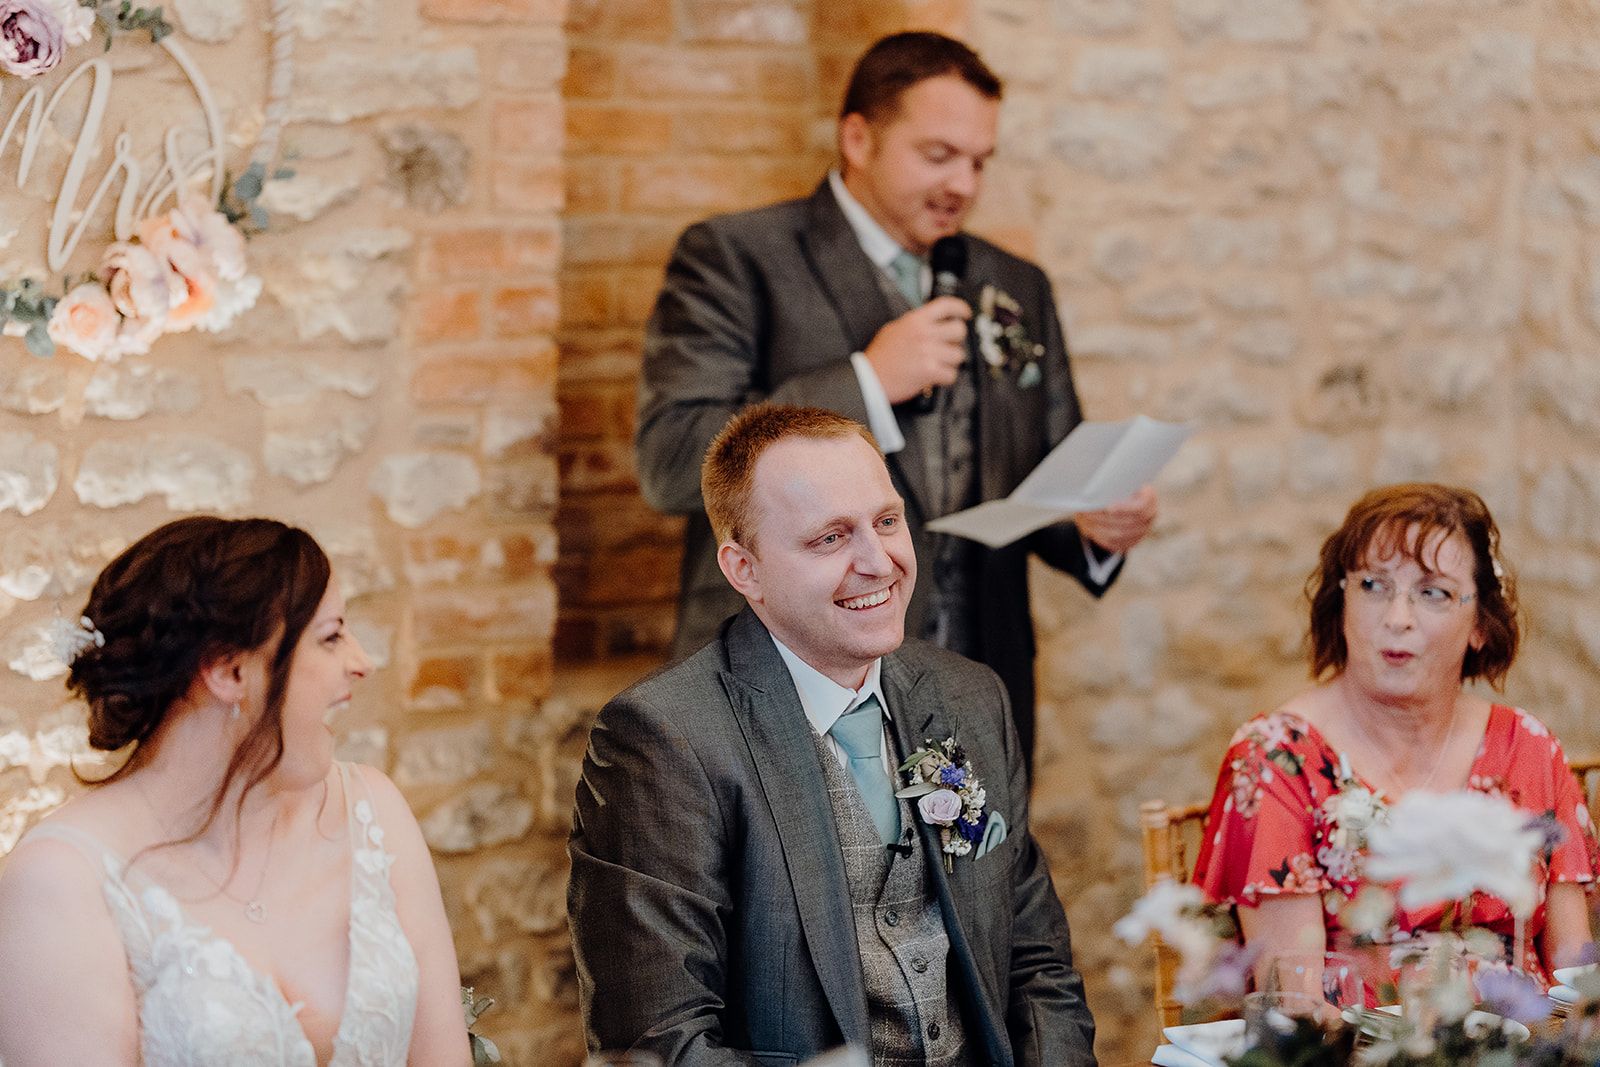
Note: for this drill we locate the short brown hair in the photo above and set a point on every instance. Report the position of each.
(728, 473)
(1379, 522)
(901, 60)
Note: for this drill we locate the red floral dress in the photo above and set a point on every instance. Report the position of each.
(1272, 830)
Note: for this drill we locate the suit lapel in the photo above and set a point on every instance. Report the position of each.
(851, 283)
(779, 735)
(917, 713)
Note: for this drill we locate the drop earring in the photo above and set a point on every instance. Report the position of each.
(234, 714)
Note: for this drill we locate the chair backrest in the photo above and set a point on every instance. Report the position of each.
(1167, 831)
(1588, 771)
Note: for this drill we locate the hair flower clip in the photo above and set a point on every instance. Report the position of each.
(69, 639)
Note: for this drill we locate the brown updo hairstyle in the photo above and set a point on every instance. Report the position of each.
(177, 600)
(1377, 526)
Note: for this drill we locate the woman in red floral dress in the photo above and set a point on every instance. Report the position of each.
(1409, 602)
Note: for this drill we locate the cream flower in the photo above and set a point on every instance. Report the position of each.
(232, 299)
(140, 284)
(86, 321)
(196, 223)
(1442, 847)
(77, 21)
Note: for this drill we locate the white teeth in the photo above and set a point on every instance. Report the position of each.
(870, 600)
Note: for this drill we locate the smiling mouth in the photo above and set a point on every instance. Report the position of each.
(335, 709)
(866, 600)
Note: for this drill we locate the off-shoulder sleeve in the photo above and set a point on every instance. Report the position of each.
(1258, 837)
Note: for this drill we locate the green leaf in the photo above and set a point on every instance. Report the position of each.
(248, 184)
(38, 339)
(920, 789)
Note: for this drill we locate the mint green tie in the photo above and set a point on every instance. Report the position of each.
(907, 271)
(860, 734)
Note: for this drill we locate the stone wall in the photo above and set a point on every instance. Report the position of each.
(393, 391)
(1354, 243)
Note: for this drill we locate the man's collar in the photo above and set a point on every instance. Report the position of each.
(875, 240)
(824, 699)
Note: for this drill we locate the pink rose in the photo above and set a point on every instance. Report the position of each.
(86, 321)
(31, 37)
(940, 807)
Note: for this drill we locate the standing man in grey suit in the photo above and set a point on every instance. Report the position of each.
(821, 301)
(746, 886)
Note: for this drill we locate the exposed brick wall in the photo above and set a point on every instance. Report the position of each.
(674, 111)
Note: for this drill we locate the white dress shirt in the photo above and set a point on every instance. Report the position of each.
(825, 700)
(881, 249)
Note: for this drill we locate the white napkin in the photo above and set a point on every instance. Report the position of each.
(1208, 1043)
(1173, 1056)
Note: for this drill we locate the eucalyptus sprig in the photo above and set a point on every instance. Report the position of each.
(241, 193)
(121, 16)
(483, 1050)
(27, 305)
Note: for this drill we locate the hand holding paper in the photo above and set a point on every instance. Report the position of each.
(1098, 464)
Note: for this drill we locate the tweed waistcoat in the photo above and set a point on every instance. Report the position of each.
(915, 1021)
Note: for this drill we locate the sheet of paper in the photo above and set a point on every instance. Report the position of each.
(1096, 465)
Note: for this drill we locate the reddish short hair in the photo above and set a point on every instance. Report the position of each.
(727, 476)
(1378, 523)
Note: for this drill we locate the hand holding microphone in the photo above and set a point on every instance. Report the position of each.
(924, 348)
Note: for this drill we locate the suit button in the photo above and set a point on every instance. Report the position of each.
(892, 918)
(919, 964)
(933, 1031)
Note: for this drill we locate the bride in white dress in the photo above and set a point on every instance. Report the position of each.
(232, 895)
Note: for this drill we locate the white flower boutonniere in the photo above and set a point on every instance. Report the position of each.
(948, 795)
(1002, 339)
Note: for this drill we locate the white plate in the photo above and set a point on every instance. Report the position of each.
(1564, 994)
(1567, 975)
(1212, 1042)
(1478, 1022)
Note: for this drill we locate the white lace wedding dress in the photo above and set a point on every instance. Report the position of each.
(200, 1003)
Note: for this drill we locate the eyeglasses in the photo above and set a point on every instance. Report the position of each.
(1376, 591)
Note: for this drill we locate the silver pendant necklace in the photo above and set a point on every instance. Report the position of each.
(1444, 747)
(254, 910)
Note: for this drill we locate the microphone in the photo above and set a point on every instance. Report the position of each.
(903, 846)
(948, 260)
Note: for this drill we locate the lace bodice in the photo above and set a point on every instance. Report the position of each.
(201, 1003)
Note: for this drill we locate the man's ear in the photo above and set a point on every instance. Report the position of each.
(855, 140)
(224, 678)
(739, 567)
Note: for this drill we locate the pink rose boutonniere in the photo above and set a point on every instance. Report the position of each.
(948, 795)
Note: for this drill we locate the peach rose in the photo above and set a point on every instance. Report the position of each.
(140, 284)
(86, 321)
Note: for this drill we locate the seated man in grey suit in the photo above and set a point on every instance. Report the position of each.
(824, 301)
(747, 888)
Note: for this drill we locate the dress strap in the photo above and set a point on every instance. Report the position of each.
(363, 820)
(98, 853)
(112, 868)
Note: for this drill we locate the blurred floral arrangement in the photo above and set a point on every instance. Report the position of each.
(1424, 849)
(184, 269)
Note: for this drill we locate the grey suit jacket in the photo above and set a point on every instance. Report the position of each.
(768, 305)
(709, 912)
